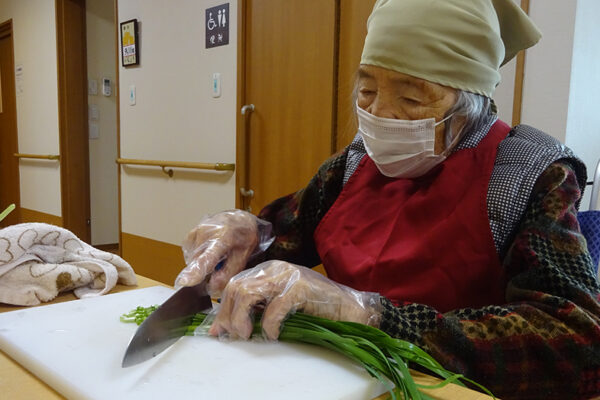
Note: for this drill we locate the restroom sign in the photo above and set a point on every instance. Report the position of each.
(217, 26)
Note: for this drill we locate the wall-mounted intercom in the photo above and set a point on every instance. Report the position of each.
(106, 89)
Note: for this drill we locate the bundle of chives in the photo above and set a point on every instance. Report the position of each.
(383, 357)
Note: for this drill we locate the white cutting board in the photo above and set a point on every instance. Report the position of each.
(77, 347)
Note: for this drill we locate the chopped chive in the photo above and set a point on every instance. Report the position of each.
(6, 211)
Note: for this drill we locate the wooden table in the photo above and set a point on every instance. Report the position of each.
(18, 383)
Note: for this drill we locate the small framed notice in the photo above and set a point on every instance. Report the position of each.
(130, 53)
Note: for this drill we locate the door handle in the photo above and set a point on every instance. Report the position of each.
(247, 109)
(247, 193)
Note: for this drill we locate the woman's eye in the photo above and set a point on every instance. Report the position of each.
(412, 101)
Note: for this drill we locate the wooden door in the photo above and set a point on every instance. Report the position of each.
(9, 164)
(353, 30)
(289, 68)
(72, 116)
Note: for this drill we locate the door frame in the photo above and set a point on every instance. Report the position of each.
(242, 156)
(519, 78)
(118, 118)
(6, 31)
(71, 49)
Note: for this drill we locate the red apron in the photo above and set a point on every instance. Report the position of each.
(424, 240)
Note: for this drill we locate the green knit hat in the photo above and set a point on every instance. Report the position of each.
(456, 43)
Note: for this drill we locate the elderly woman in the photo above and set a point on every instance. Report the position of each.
(439, 224)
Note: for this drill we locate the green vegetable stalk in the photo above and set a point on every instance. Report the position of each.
(383, 357)
(138, 315)
(7, 211)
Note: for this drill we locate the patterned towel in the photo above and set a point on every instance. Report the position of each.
(38, 261)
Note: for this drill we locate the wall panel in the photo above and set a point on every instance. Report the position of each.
(546, 84)
(175, 118)
(101, 60)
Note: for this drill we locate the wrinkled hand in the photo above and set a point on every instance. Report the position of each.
(229, 236)
(284, 288)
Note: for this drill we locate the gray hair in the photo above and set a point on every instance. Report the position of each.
(474, 108)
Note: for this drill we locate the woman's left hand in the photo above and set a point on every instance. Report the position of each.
(284, 288)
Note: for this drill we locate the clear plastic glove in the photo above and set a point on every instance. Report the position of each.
(284, 288)
(229, 236)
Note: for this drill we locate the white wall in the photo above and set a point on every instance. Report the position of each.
(504, 94)
(176, 119)
(34, 36)
(101, 63)
(548, 67)
(583, 120)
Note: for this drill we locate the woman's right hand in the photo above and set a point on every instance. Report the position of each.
(229, 236)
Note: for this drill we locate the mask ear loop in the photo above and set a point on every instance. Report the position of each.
(446, 141)
(445, 119)
(451, 143)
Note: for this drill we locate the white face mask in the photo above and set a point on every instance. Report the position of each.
(400, 148)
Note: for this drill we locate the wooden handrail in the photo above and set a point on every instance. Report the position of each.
(38, 156)
(177, 164)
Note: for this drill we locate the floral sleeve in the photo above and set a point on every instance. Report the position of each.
(296, 216)
(545, 342)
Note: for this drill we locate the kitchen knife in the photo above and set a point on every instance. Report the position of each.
(167, 324)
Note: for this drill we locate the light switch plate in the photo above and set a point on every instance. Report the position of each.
(92, 87)
(216, 85)
(93, 112)
(132, 95)
(94, 131)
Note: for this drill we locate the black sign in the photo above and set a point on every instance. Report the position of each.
(217, 26)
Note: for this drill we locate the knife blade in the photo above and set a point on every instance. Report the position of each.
(167, 324)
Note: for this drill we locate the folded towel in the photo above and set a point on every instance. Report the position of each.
(38, 261)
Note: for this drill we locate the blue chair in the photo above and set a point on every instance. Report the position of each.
(589, 221)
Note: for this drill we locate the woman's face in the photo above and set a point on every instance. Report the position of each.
(390, 94)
